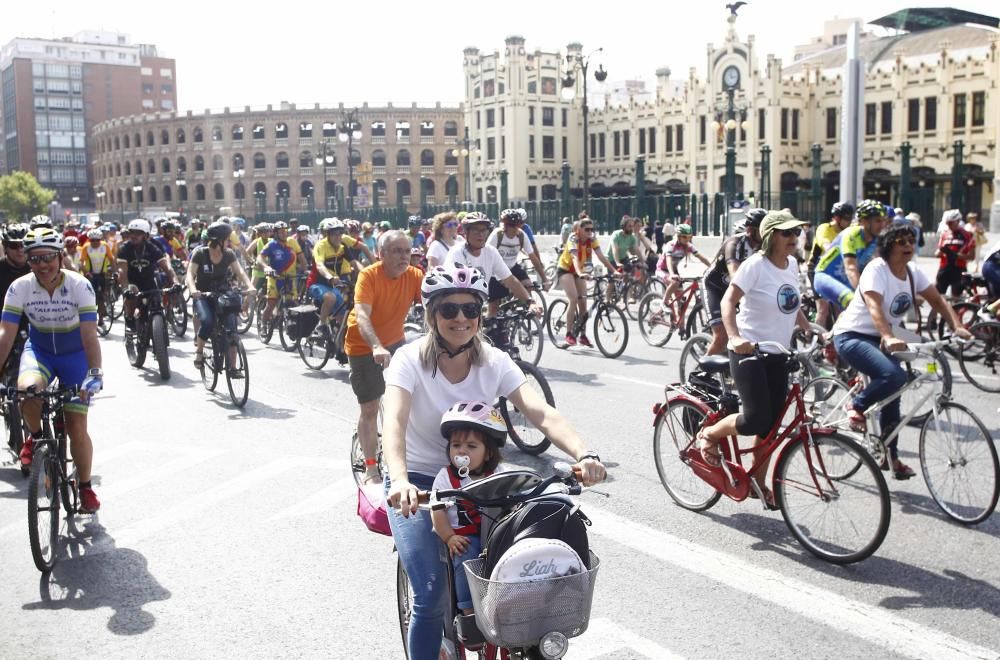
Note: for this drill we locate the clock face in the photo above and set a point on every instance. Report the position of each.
(731, 76)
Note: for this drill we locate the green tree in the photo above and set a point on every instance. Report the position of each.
(21, 196)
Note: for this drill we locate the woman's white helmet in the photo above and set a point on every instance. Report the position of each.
(442, 280)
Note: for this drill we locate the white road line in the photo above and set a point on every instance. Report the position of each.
(319, 502)
(872, 624)
(635, 381)
(604, 636)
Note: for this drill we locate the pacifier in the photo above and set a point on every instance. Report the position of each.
(462, 464)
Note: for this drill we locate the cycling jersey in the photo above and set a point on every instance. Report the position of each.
(54, 321)
(335, 258)
(848, 243)
(282, 256)
(141, 260)
(96, 258)
(675, 250)
(164, 244)
(573, 245)
(825, 234)
(417, 241)
(735, 250)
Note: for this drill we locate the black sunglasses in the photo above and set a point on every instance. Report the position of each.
(43, 258)
(797, 231)
(450, 310)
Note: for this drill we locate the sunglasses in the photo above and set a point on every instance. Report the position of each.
(43, 258)
(450, 310)
(797, 231)
(905, 240)
(451, 225)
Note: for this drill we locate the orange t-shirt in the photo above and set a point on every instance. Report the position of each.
(389, 300)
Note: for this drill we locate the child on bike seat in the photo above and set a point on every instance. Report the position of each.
(673, 252)
(475, 432)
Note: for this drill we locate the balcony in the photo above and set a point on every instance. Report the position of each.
(378, 139)
(378, 170)
(402, 169)
(427, 169)
(426, 139)
(282, 171)
(281, 142)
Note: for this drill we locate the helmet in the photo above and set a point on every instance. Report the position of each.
(443, 280)
(42, 237)
(71, 240)
(331, 224)
(280, 224)
(41, 221)
(264, 226)
(754, 217)
(414, 221)
(522, 214)
(475, 415)
(353, 225)
(95, 234)
(684, 229)
(951, 215)
(869, 208)
(139, 224)
(302, 228)
(15, 233)
(239, 222)
(385, 225)
(510, 215)
(416, 252)
(113, 226)
(366, 226)
(219, 231)
(195, 221)
(475, 217)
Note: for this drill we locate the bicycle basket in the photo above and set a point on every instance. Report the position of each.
(516, 614)
(229, 302)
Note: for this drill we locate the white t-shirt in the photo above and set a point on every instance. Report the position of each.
(443, 482)
(431, 396)
(489, 262)
(770, 301)
(896, 298)
(439, 250)
(509, 248)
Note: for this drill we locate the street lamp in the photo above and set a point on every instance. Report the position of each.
(725, 118)
(469, 148)
(100, 194)
(325, 159)
(349, 132)
(137, 190)
(238, 175)
(259, 195)
(579, 63)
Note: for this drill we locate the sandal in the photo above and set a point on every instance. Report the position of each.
(199, 360)
(856, 420)
(709, 450)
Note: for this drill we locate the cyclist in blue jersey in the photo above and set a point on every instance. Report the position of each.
(413, 233)
(280, 259)
(839, 269)
(62, 343)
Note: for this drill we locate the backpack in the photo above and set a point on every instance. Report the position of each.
(549, 518)
(520, 238)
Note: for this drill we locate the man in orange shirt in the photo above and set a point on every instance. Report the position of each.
(382, 297)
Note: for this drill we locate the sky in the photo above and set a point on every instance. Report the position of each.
(237, 54)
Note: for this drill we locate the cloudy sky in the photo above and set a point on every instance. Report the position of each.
(235, 54)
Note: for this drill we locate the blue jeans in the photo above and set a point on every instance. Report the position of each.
(420, 551)
(205, 309)
(462, 593)
(864, 354)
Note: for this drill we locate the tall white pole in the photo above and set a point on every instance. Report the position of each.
(852, 119)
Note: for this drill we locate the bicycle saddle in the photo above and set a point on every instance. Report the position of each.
(714, 364)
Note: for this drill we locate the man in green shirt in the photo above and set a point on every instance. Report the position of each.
(624, 243)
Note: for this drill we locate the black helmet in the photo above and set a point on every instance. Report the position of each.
(755, 217)
(870, 208)
(842, 210)
(219, 231)
(15, 233)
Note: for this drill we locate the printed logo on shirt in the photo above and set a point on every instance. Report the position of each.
(788, 299)
(900, 305)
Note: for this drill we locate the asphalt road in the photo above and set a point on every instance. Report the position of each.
(228, 533)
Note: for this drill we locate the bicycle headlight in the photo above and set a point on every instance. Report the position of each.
(553, 645)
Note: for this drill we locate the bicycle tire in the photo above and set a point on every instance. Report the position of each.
(528, 338)
(43, 509)
(137, 348)
(104, 323)
(265, 329)
(239, 388)
(673, 433)
(536, 296)
(178, 314)
(158, 326)
(555, 322)
(67, 487)
(966, 313)
(610, 330)
(654, 285)
(980, 360)
(282, 320)
(404, 605)
(209, 369)
(244, 321)
(694, 349)
(358, 467)
(844, 507)
(656, 330)
(944, 461)
(13, 428)
(527, 438)
(115, 302)
(634, 293)
(315, 350)
(697, 320)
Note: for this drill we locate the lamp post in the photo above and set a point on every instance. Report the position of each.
(100, 194)
(349, 132)
(579, 63)
(238, 175)
(468, 149)
(136, 190)
(259, 196)
(121, 202)
(729, 110)
(325, 159)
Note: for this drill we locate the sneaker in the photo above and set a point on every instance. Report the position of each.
(235, 374)
(570, 340)
(88, 501)
(199, 360)
(27, 451)
(584, 341)
(324, 330)
(986, 315)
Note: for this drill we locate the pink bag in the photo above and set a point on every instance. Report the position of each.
(371, 508)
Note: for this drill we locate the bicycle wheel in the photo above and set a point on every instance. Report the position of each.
(282, 320)
(980, 359)
(923, 363)
(673, 433)
(966, 312)
(694, 349)
(237, 373)
(210, 368)
(158, 328)
(265, 329)
(959, 462)
(12, 427)
(178, 314)
(524, 434)
(315, 350)
(114, 302)
(43, 508)
(104, 323)
(634, 292)
(555, 322)
(244, 321)
(697, 320)
(528, 338)
(655, 285)
(840, 521)
(136, 345)
(537, 297)
(610, 330)
(404, 604)
(358, 467)
(656, 323)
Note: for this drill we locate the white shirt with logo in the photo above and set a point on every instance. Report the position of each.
(488, 261)
(897, 299)
(509, 248)
(770, 301)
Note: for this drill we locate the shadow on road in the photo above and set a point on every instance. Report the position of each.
(572, 377)
(92, 573)
(917, 503)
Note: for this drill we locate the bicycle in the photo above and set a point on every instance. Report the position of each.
(628, 291)
(953, 441)
(175, 311)
(10, 413)
(113, 292)
(314, 345)
(150, 328)
(228, 353)
(515, 326)
(51, 483)
(659, 322)
(549, 611)
(279, 318)
(610, 325)
(979, 359)
(838, 515)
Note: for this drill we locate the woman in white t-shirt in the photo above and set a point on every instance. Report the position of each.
(444, 228)
(766, 288)
(869, 329)
(423, 380)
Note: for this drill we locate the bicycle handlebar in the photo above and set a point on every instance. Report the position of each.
(64, 393)
(439, 499)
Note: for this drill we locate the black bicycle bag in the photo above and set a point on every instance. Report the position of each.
(549, 518)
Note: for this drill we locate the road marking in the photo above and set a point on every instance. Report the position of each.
(872, 624)
(603, 636)
(635, 381)
(319, 502)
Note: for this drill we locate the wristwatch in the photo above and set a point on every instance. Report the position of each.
(589, 454)
(95, 372)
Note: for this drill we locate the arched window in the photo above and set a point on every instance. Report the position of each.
(258, 131)
(378, 158)
(403, 187)
(149, 138)
(428, 186)
(259, 162)
(198, 136)
(217, 163)
(450, 158)
(151, 166)
(152, 193)
(239, 192)
(126, 142)
(329, 129)
(164, 138)
(426, 129)
(216, 134)
(427, 158)
(305, 129)
(355, 157)
(168, 194)
(118, 169)
(237, 133)
(199, 193)
(218, 192)
(199, 164)
(378, 128)
(128, 195)
(128, 168)
(284, 190)
(182, 193)
(181, 165)
(237, 162)
(260, 191)
(305, 189)
(281, 131)
(403, 157)
(451, 129)
(281, 160)
(165, 165)
(138, 140)
(117, 144)
(306, 159)
(138, 167)
(180, 136)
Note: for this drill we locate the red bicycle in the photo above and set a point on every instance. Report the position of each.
(830, 491)
(685, 314)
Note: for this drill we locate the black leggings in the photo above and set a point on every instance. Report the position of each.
(762, 383)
